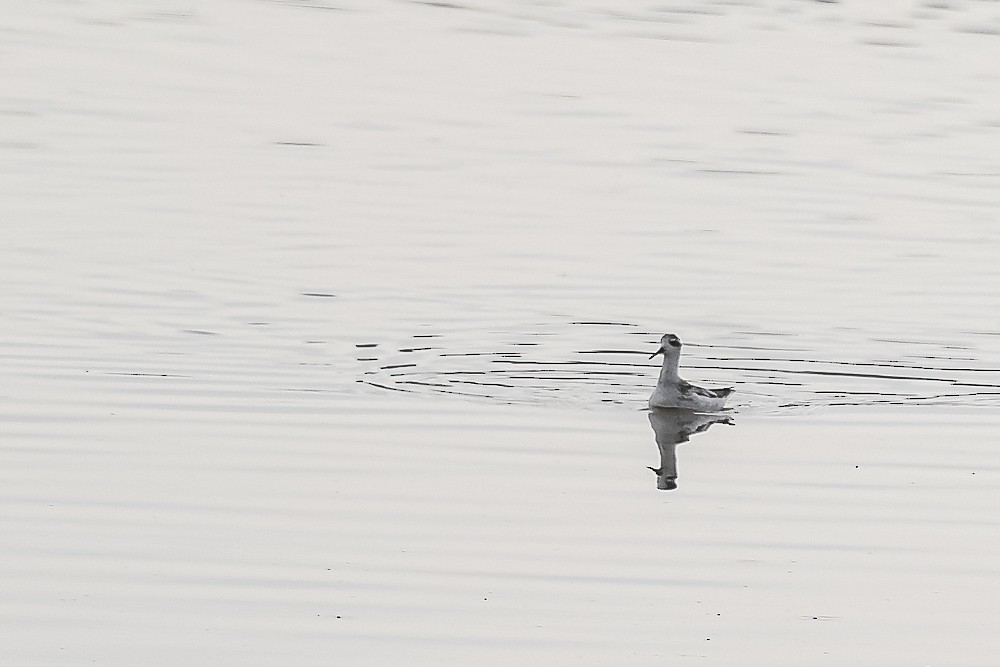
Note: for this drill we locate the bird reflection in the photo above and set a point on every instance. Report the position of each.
(673, 426)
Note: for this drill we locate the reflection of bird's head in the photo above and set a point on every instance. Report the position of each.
(664, 483)
(669, 344)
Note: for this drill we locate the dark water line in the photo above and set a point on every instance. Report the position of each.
(382, 386)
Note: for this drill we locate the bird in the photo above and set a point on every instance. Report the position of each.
(673, 392)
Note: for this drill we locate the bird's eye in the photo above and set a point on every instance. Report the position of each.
(675, 342)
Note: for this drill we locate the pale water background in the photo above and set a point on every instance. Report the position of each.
(326, 324)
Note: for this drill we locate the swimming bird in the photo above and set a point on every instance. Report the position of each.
(673, 392)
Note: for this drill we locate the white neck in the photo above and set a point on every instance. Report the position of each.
(668, 372)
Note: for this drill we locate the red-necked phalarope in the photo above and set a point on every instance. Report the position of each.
(673, 392)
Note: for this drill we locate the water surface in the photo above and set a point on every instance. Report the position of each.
(327, 323)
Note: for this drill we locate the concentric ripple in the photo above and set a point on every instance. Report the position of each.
(593, 363)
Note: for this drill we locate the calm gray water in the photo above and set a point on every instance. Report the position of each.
(288, 284)
(512, 203)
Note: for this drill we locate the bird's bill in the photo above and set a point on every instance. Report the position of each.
(660, 351)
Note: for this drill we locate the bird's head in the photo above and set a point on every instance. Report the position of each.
(668, 344)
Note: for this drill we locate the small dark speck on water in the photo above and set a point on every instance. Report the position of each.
(366, 345)
(322, 295)
(297, 143)
(199, 332)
